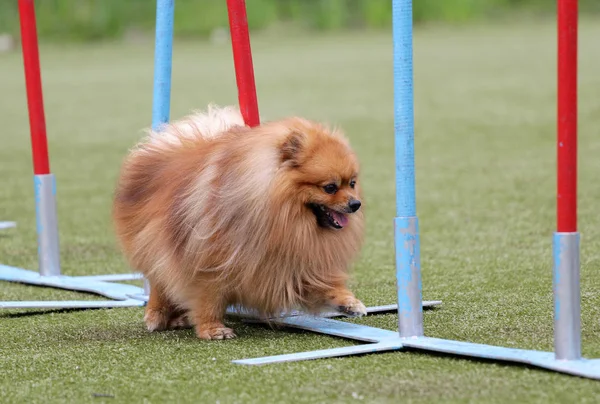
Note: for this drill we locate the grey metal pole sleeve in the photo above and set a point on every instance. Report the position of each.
(567, 295)
(47, 225)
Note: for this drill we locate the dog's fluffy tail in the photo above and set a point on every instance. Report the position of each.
(200, 124)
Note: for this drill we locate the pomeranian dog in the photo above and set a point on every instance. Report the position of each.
(217, 214)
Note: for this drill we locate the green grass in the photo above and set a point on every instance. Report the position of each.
(485, 157)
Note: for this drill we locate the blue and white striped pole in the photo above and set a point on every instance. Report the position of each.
(406, 223)
(163, 57)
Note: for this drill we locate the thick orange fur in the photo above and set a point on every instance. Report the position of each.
(214, 213)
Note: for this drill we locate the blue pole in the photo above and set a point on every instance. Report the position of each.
(163, 52)
(163, 56)
(406, 223)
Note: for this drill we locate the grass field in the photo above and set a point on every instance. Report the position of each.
(485, 156)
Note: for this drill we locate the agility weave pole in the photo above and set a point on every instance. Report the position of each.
(567, 293)
(163, 61)
(242, 61)
(566, 357)
(49, 272)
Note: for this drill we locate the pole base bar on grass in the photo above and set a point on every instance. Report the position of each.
(122, 295)
(7, 225)
(386, 340)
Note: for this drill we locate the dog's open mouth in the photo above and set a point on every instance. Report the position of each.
(327, 217)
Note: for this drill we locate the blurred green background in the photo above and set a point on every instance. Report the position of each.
(93, 20)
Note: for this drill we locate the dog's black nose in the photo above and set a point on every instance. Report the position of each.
(354, 205)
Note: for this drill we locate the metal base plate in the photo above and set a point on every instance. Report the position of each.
(379, 340)
(122, 295)
(7, 225)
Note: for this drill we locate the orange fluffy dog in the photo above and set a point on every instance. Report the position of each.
(215, 213)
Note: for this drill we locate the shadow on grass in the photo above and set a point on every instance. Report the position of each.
(504, 364)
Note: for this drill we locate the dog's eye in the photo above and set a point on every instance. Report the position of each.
(330, 188)
(352, 184)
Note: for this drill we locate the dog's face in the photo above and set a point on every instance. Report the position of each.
(325, 172)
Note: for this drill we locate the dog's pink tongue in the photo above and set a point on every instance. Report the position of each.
(340, 218)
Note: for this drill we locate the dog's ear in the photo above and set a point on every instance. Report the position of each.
(291, 148)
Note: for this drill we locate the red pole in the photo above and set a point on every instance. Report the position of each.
(242, 59)
(567, 117)
(33, 82)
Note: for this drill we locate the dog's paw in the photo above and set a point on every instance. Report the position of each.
(215, 332)
(156, 320)
(352, 307)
